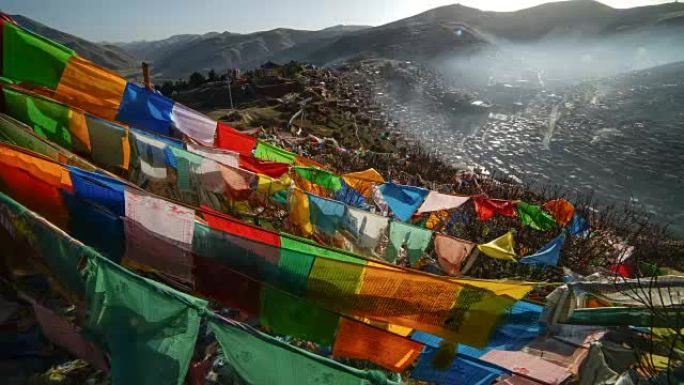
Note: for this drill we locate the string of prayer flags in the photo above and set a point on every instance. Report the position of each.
(409, 239)
(266, 151)
(402, 199)
(363, 181)
(534, 217)
(452, 252)
(547, 255)
(561, 209)
(437, 202)
(486, 208)
(500, 248)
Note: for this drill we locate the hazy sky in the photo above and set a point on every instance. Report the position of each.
(126, 20)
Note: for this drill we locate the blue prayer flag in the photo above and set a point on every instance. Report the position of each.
(547, 255)
(403, 200)
(145, 109)
(326, 214)
(99, 188)
(463, 370)
(578, 225)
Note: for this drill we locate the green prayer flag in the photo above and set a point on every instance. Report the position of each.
(48, 119)
(262, 360)
(107, 141)
(61, 253)
(12, 132)
(415, 239)
(535, 217)
(293, 316)
(186, 164)
(149, 329)
(320, 177)
(296, 267)
(265, 151)
(31, 58)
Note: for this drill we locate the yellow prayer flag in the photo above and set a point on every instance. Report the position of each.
(500, 248)
(269, 186)
(363, 181)
(299, 211)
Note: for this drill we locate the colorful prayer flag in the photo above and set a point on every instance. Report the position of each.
(500, 248)
(547, 255)
(403, 200)
(534, 217)
(486, 208)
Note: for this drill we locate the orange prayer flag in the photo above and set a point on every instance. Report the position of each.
(91, 88)
(392, 352)
(561, 209)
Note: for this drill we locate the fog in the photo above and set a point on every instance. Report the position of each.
(566, 112)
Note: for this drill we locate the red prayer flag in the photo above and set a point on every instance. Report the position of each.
(486, 208)
(219, 221)
(265, 167)
(231, 139)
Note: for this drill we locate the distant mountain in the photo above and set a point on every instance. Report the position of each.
(108, 56)
(443, 31)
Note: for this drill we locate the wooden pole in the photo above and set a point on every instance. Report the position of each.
(146, 76)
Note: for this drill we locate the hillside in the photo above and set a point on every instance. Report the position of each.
(106, 55)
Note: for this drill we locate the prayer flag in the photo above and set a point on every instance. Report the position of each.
(528, 365)
(366, 228)
(160, 216)
(266, 151)
(272, 169)
(363, 181)
(547, 255)
(357, 340)
(486, 208)
(437, 201)
(193, 124)
(299, 211)
(145, 109)
(403, 200)
(149, 329)
(326, 214)
(500, 248)
(28, 57)
(578, 225)
(231, 139)
(225, 157)
(248, 352)
(91, 88)
(413, 239)
(451, 252)
(561, 209)
(534, 217)
(320, 177)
